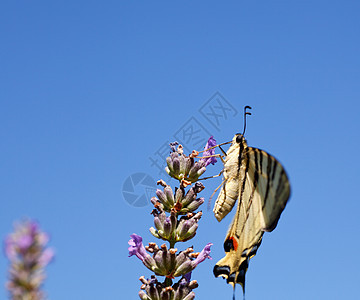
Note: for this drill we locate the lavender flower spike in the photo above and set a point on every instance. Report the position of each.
(180, 226)
(209, 152)
(28, 255)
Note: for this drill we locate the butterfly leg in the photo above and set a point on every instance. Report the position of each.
(222, 150)
(214, 176)
(219, 145)
(215, 155)
(222, 159)
(212, 195)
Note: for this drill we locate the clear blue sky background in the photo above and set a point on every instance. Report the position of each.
(89, 90)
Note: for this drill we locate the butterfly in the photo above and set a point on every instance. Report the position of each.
(259, 184)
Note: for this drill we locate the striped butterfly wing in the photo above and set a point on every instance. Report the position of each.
(263, 190)
(272, 186)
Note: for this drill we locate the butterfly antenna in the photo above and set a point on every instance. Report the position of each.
(234, 292)
(245, 114)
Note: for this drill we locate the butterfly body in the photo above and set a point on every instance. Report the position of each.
(258, 182)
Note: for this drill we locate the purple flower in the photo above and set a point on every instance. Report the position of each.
(24, 242)
(10, 250)
(136, 247)
(43, 238)
(209, 152)
(205, 253)
(26, 238)
(46, 257)
(173, 146)
(187, 276)
(28, 255)
(21, 240)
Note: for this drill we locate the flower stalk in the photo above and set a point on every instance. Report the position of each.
(175, 220)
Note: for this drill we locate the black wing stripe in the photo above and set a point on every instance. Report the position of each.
(274, 170)
(261, 159)
(281, 185)
(256, 173)
(251, 251)
(243, 182)
(268, 172)
(241, 149)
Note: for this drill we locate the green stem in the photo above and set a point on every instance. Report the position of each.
(168, 282)
(172, 244)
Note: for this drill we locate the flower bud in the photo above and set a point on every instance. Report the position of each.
(182, 161)
(184, 268)
(167, 228)
(159, 219)
(182, 257)
(170, 165)
(176, 166)
(182, 228)
(193, 171)
(169, 196)
(161, 258)
(198, 187)
(154, 232)
(193, 284)
(194, 205)
(200, 172)
(165, 294)
(179, 194)
(160, 194)
(144, 296)
(188, 165)
(154, 290)
(187, 227)
(190, 296)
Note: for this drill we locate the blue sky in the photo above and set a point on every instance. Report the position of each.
(90, 91)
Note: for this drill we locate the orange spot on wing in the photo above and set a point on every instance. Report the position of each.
(235, 243)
